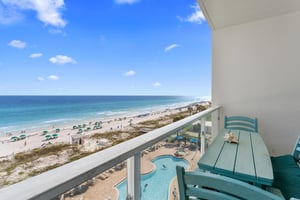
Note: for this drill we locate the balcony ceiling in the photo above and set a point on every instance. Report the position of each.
(224, 13)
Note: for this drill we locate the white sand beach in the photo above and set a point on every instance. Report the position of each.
(36, 139)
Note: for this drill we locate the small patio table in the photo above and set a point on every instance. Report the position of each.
(249, 160)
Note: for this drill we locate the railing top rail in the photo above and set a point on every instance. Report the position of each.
(54, 182)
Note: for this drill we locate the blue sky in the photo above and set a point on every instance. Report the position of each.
(104, 47)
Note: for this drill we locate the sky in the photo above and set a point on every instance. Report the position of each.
(104, 47)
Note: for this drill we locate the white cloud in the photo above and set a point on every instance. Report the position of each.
(170, 47)
(17, 44)
(61, 59)
(126, 1)
(39, 78)
(35, 55)
(156, 84)
(53, 77)
(48, 11)
(130, 73)
(196, 17)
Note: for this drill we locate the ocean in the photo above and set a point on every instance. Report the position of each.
(35, 112)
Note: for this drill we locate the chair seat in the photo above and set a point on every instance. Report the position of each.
(283, 162)
(288, 185)
(286, 175)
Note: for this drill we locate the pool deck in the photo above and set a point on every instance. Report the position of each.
(103, 188)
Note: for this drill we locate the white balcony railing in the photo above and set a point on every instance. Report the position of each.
(55, 182)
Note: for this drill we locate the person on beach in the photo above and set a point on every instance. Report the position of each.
(145, 186)
(174, 193)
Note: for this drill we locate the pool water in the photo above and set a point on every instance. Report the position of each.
(155, 185)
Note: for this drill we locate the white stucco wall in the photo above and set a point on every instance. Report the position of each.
(256, 72)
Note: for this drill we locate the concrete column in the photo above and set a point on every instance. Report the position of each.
(134, 177)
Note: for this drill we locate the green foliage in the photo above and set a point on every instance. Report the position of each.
(108, 135)
(80, 155)
(21, 173)
(38, 152)
(177, 118)
(149, 122)
(36, 172)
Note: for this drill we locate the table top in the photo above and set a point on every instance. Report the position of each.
(249, 160)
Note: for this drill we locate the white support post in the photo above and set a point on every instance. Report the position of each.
(218, 120)
(202, 135)
(134, 177)
(215, 116)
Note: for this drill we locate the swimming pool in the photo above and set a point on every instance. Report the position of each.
(155, 185)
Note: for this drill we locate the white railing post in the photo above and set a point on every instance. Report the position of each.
(202, 135)
(134, 177)
(215, 117)
(218, 120)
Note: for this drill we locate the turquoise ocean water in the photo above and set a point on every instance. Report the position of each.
(34, 112)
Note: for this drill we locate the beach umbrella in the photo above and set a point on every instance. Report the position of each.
(45, 132)
(75, 127)
(22, 136)
(48, 136)
(193, 140)
(14, 138)
(57, 130)
(54, 135)
(178, 137)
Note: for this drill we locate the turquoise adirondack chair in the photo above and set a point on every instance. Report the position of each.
(241, 123)
(287, 172)
(195, 185)
(284, 160)
(296, 152)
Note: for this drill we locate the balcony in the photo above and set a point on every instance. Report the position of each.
(255, 72)
(55, 182)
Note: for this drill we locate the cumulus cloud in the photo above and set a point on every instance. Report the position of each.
(17, 44)
(48, 11)
(126, 1)
(130, 73)
(170, 47)
(39, 78)
(53, 77)
(35, 55)
(156, 84)
(61, 59)
(196, 17)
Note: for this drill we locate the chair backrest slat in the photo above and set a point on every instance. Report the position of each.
(211, 186)
(241, 123)
(296, 152)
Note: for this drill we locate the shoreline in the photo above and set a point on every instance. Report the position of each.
(68, 121)
(36, 139)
